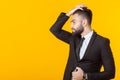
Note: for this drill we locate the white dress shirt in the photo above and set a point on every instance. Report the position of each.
(85, 44)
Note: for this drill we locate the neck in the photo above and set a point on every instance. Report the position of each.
(86, 31)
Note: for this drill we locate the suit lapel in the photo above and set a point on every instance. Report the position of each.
(90, 44)
(76, 42)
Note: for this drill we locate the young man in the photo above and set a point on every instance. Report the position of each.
(88, 50)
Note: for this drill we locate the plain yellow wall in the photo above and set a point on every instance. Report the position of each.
(28, 51)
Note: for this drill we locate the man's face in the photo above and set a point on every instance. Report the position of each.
(76, 24)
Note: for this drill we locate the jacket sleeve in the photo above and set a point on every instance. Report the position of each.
(108, 64)
(56, 29)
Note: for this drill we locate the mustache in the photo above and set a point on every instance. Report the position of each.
(73, 29)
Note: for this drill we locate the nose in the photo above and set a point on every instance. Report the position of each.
(71, 26)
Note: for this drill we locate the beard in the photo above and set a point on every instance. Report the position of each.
(78, 31)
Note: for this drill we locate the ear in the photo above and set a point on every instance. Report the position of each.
(84, 22)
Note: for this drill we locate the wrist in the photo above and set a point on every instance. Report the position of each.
(71, 12)
(68, 14)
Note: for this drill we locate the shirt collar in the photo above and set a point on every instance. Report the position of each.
(89, 35)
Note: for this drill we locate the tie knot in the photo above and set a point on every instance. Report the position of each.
(82, 39)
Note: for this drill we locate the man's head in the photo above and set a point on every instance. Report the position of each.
(80, 20)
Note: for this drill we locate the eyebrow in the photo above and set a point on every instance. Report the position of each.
(72, 20)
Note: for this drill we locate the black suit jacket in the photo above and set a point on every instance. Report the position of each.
(98, 53)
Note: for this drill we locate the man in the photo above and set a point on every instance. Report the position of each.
(88, 50)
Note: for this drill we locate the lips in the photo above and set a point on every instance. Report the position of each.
(73, 29)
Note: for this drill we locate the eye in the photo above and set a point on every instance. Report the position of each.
(73, 22)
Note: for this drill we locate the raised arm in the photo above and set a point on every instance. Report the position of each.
(57, 30)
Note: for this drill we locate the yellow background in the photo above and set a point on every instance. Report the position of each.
(28, 51)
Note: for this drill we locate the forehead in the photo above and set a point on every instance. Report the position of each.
(76, 17)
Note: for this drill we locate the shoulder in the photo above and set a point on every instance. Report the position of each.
(102, 39)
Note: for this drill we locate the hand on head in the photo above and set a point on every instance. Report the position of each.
(81, 7)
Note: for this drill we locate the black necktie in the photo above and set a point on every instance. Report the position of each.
(79, 47)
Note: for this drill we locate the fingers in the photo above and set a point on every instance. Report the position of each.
(76, 8)
(81, 6)
(79, 69)
(77, 74)
(74, 74)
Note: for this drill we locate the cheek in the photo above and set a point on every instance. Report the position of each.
(77, 26)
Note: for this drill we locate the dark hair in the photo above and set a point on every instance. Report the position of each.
(87, 13)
